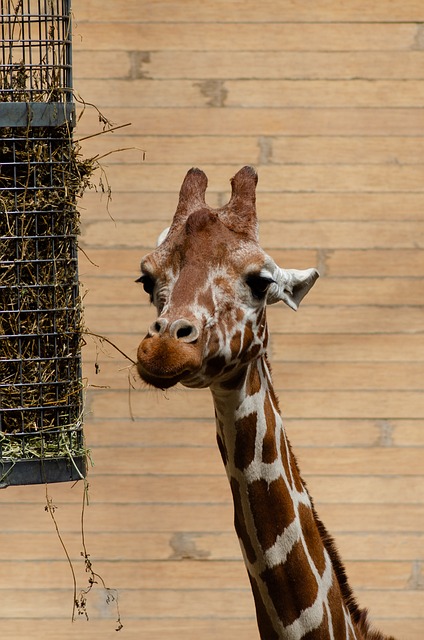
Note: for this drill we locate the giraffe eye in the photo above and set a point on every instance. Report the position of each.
(258, 285)
(148, 283)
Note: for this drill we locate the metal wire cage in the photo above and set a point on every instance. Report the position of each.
(36, 50)
(41, 394)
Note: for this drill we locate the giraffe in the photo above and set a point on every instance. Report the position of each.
(210, 282)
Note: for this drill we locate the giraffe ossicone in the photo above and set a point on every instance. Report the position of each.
(211, 282)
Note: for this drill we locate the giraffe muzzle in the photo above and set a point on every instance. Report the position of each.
(169, 353)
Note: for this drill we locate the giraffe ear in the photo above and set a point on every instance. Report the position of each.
(290, 285)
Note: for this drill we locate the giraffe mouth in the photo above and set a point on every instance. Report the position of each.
(162, 362)
(160, 381)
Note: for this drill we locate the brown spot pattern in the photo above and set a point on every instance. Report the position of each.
(321, 632)
(285, 459)
(269, 445)
(235, 344)
(239, 522)
(261, 324)
(298, 482)
(247, 336)
(245, 440)
(291, 589)
(312, 537)
(265, 625)
(270, 504)
(272, 396)
(255, 350)
(253, 383)
(337, 613)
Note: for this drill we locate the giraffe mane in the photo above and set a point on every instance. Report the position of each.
(359, 615)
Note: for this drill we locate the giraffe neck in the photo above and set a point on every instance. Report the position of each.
(296, 591)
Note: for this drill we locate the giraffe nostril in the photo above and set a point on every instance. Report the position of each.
(184, 331)
(158, 327)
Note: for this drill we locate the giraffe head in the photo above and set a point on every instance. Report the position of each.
(210, 282)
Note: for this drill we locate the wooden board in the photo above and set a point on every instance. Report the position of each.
(325, 99)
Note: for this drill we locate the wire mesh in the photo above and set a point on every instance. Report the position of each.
(36, 50)
(40, 317)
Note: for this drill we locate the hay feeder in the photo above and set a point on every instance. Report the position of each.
(41, 391)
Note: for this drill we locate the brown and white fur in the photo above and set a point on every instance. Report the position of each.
(210, 282)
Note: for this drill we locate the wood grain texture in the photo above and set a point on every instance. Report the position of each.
(326, 100)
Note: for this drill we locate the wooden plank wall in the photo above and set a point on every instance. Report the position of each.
(326, 100)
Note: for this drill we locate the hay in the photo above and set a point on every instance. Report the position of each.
(42, 175)
(41, 322)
